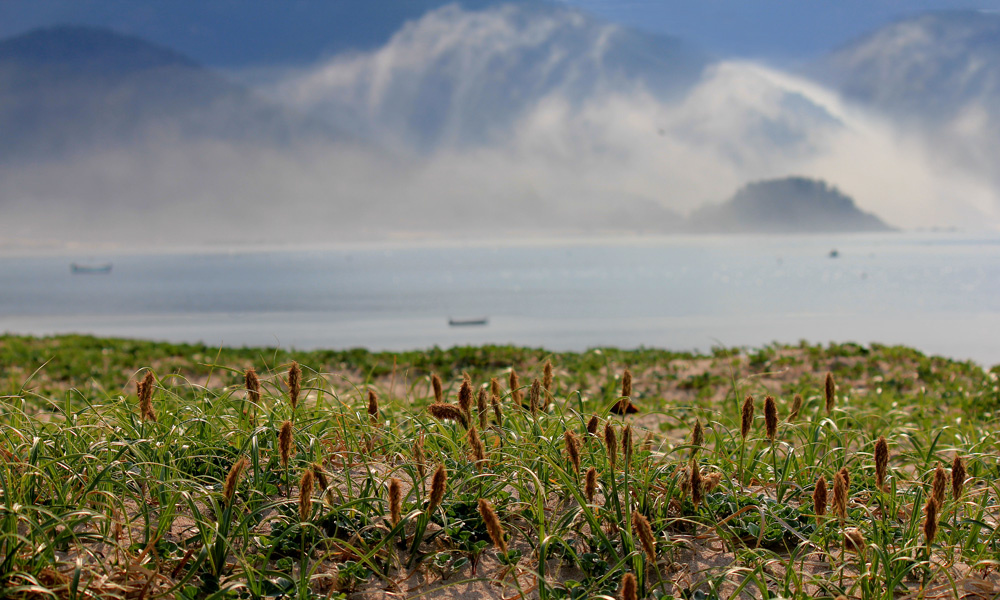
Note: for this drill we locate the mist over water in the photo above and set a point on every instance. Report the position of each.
(937, 292)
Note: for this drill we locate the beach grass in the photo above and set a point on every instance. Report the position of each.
(137, 469)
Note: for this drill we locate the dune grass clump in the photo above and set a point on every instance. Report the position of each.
(258, 473)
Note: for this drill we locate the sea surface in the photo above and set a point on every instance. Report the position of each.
(938, 292)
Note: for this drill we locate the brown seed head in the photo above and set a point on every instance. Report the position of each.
(854, 541)
(145, 392)
(697, 437)
(497, 411)
(395, 501)
(684, 475)
(320, 478)
(418, 456)
(438, 390)
(592, 425)
(645, 534)
(253, 385)
(881, 461)
(591, 487)
(148, 381)
(940, 482)
(515, 391)
(770, 417)
(840, 496)
(285, 442)
(627, 383)
(697, 489)
(572, 449)
(294, 384)
(493, 527)
(535, 397)
(305, 495)
(438, 484)
(930, 520)
(495, 387)
(611, 444)
(796, 407)
(476, 445)
(372, 406)
(448, 412)
(483, 409)
(712, 481)
(830, 389)
(465, 399)
(629, 587)
(547, 376)
(746, 416)
(819, 497)
(958, 476)
(847, 478)
(233, 479)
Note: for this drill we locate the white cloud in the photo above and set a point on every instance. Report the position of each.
(555, 154)
(741, 122)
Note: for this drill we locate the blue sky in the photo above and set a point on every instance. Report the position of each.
(240, 33)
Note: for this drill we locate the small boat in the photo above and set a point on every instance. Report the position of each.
(465, 322)
(834, 253)
(87, 269)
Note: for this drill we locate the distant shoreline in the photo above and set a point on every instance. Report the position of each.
(16, 249)
(73, 342)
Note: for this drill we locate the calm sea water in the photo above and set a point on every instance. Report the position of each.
(937, 292)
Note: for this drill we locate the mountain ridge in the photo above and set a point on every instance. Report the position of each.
(930, 64)
(459, 76)
(512, 117)
(69, 89)
(82, 46)
(936, 75)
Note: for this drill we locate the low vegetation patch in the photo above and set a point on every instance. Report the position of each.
(141, 470)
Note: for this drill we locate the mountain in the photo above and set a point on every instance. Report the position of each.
(934, 65)
(937, 75)
(788, 205)
(228, 34)
(527, 118)
(70, 89)
(460, 76)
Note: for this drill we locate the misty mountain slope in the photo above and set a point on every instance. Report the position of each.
(512, 120)
(581, 107)
(464, 76)
(787, 205)
(933, 65)
(69, 89)
(937, 74)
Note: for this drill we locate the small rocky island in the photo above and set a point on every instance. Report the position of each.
(788, 205)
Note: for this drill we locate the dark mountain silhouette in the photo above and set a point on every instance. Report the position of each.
(789, 205)
(225, 33)
(69, 89)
